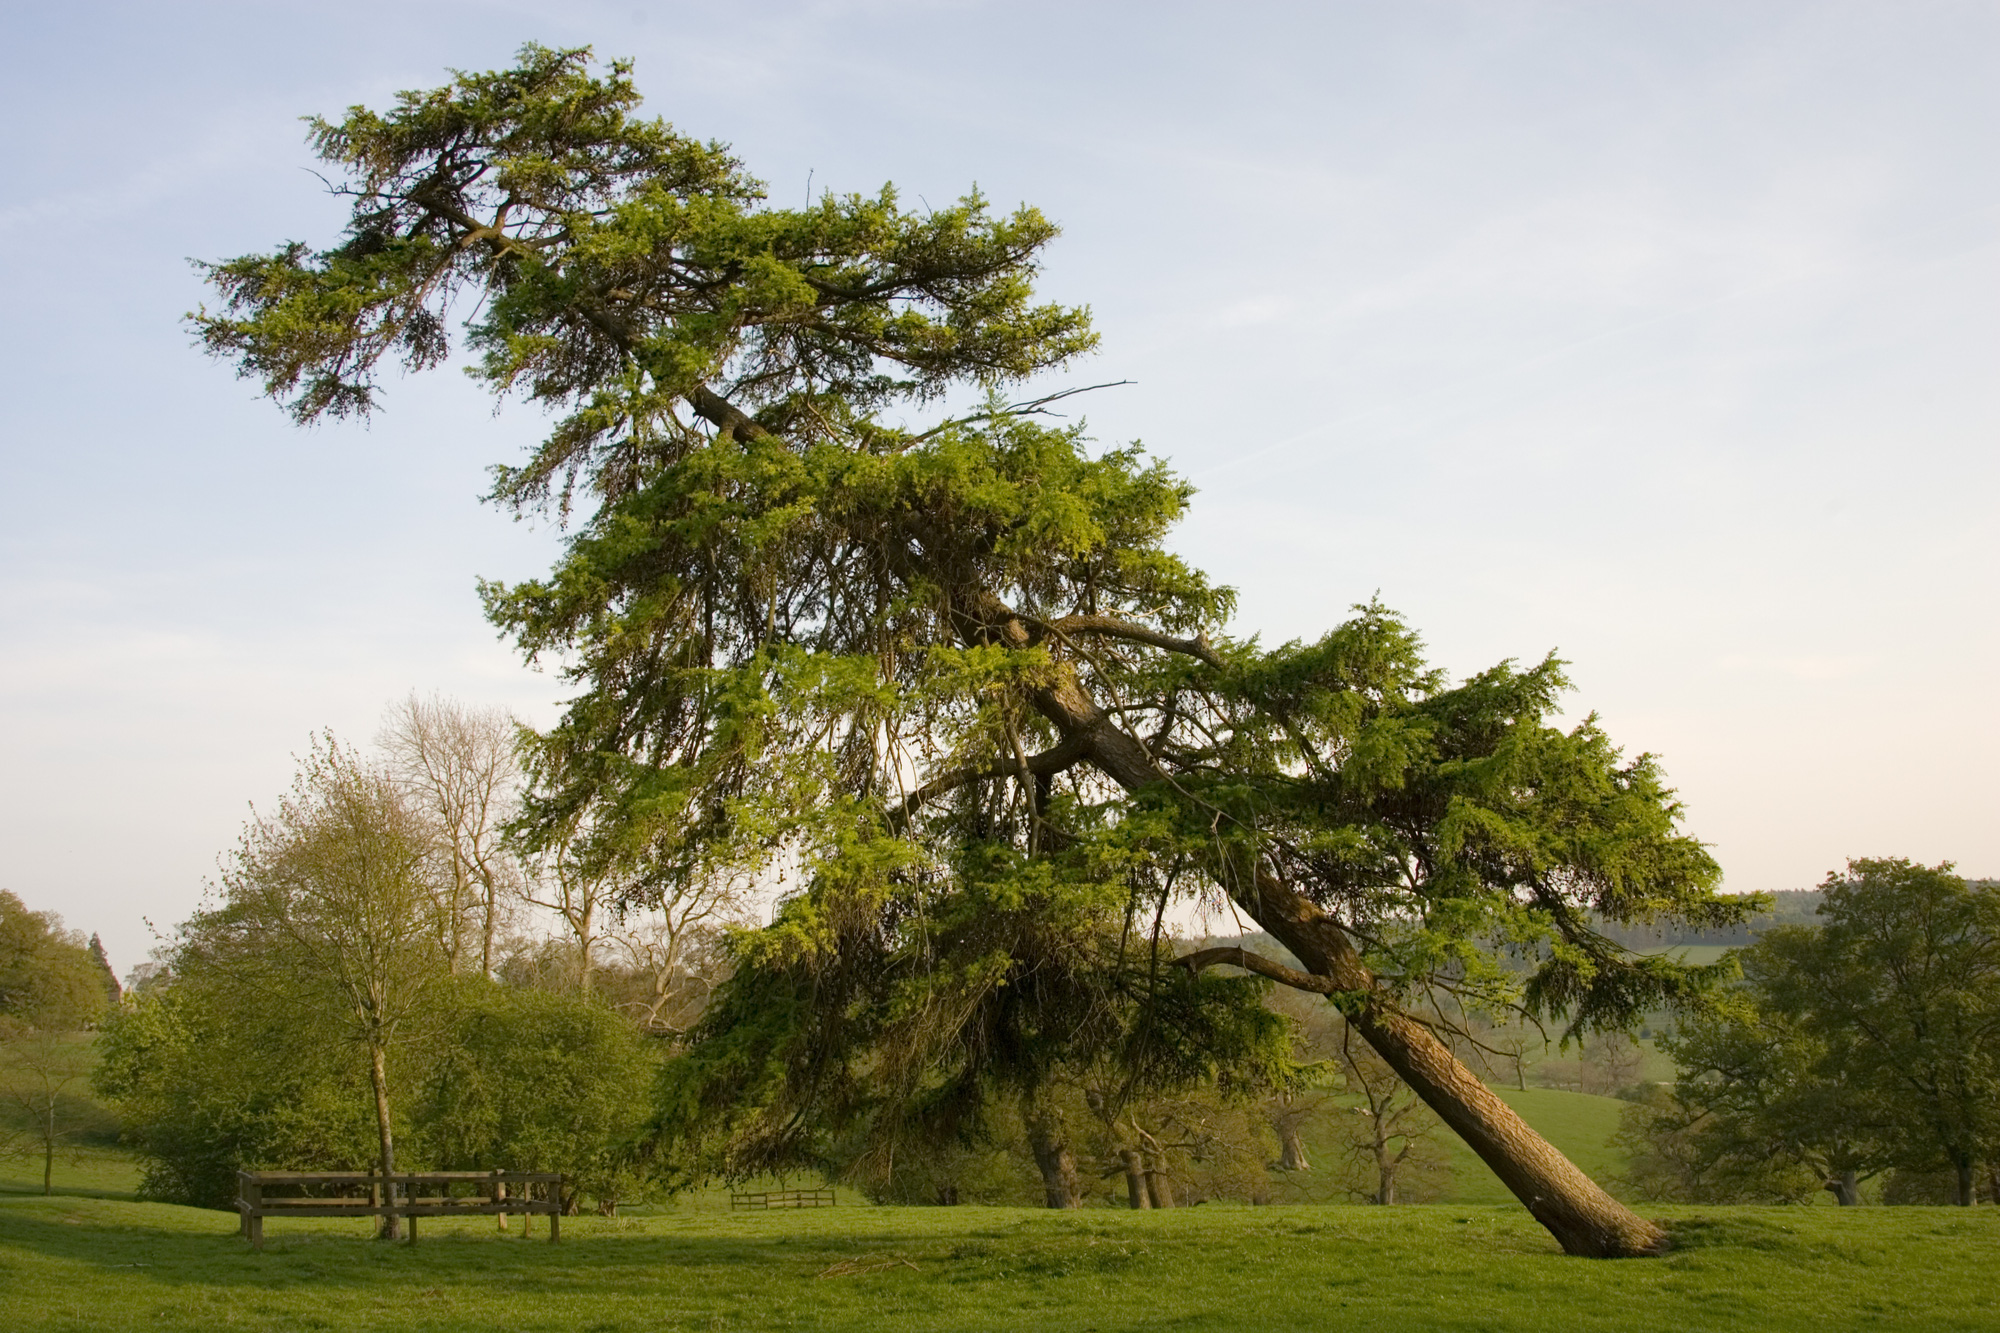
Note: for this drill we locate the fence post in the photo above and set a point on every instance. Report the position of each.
(253, 1216)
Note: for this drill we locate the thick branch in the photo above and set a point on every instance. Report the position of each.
(1048, 763)
(1111, 627)
(722, 414)
(1262, 966)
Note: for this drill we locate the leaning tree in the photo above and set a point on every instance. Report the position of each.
(838, 613)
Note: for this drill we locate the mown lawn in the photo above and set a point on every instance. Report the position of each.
(94, 1264)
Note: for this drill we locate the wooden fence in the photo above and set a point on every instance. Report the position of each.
(332, 1194)
(783, 1199)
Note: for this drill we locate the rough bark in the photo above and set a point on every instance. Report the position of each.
(1845, 1188)
(378, 1082)
(1583, 1218)
(1050, 1146)
(1159, 1184)
(1385, 1176)
(1135, 1180)
(1291, 1147)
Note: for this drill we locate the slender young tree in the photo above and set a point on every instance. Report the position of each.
(43, 1073)
(819, 625)
(329, 905)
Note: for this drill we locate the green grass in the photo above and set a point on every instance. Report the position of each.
(1578, 1124)
(100, 1172)
(92, 1264)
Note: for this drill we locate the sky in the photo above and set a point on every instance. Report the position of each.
(1664, 336)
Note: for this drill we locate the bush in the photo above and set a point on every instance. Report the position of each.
(518, 1079)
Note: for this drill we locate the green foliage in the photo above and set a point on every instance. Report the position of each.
(48, 978)
(526, 1080)
(946, 672)
(207, 1085)
(533, 1081)
(1866, 1042)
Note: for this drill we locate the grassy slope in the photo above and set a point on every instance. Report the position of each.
(1578, 1124)
(88, 1264)
(102, 1172)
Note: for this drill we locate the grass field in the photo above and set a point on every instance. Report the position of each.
(94, 1264)
(1578, 1124)
(104, 1173)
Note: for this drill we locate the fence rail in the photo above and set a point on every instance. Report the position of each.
(784, 1199)
(489, 1194)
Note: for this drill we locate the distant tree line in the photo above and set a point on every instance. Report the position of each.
(54, 985)
(1787, 907)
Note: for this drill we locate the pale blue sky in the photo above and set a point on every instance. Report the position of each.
(1665, 335)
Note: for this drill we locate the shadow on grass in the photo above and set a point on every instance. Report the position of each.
(605, 1260)
(32, 1189)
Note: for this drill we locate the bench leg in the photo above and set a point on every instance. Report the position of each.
(256, 1231)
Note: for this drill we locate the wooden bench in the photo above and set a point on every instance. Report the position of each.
(783, 1199)
(488, 1194)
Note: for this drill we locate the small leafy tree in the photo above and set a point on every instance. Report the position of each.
(1764, 1088)
(329, 906)
(210, 1077)
(1865, 1043)
(1900, 989)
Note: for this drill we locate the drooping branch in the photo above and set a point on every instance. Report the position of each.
(1262, 966)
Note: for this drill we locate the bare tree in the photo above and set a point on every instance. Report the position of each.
(1399, 1132)
(672, 953)
(458, 762)
(581, 896)
(45, 1072)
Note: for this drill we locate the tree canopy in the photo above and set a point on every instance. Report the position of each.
(837, 610)
(49, 978)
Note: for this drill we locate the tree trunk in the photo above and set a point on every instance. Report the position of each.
(486, 943)
(1962, 1182)
(1052, 1154)
(1583, 1218)
(1291, 1148)
(1845, 1188)
(1135, 1179)
(378, 1080)
(1159, 1185)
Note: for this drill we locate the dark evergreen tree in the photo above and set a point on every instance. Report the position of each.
(939, 664)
